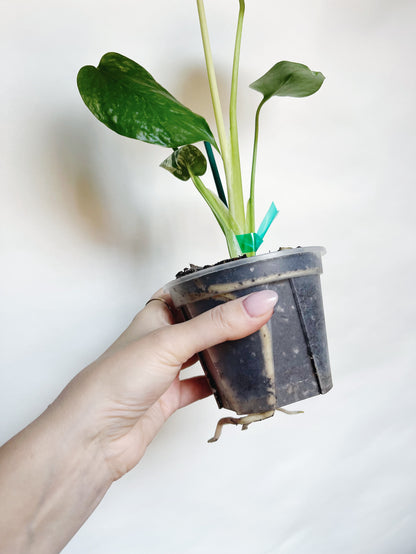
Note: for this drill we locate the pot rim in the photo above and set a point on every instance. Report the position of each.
(319, 250)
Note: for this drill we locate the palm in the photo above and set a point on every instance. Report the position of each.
(133, 417)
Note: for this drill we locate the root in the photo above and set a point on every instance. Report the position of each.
(245, 421)
(290, 412)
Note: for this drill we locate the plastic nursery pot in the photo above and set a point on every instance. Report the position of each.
(287, 359)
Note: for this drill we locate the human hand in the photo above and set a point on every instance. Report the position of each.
(130, 391)
(55, 471)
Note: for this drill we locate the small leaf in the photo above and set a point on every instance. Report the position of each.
(288, 79)
(186, 159)
(125, 97)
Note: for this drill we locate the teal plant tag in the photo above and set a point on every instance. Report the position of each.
(250, 242)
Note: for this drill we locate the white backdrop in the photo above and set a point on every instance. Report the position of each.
(90, 227)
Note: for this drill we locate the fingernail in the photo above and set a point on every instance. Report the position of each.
(258, 303)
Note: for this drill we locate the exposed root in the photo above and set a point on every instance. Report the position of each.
(290, 412)
(245, 421)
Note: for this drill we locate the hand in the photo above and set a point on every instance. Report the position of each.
(134, 386)
(55, 471)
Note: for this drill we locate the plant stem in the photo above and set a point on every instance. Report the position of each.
(224, 143)
(235, 154)
(229, 226)
(234, 197)
(251, 219)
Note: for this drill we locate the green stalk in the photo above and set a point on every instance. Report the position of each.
(222, 214)
(235, 153)
(251, 219)
(222, 136)
(235, 202)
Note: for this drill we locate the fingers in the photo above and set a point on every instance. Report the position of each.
(158, 312)
(144, 369)
(190, 362)
(161, 302)
(190, 390)
(230, 321)
(193, 389)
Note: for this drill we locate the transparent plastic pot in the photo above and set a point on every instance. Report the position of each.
(287, 359)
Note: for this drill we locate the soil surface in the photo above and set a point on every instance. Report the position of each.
(193, 268)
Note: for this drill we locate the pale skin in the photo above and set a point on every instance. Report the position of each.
(55, 472)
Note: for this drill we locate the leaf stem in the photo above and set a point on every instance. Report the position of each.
(251, 219)
(224, 143)
(235, 153)
(228, 225)
(234, 193)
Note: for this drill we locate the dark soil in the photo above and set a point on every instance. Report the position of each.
(193, 268)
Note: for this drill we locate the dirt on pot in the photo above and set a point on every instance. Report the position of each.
(193, 268)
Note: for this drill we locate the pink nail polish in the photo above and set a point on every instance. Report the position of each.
(258, 303)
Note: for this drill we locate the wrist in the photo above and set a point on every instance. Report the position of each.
(51, 473)
(75, 414)
(78, 478)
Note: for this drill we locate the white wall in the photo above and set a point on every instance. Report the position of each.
(90, 227)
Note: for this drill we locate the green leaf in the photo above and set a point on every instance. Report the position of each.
(288, 79)
(184, 161)
(125, 97)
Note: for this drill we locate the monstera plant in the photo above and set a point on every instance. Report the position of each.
(287, 360)
(127, 99)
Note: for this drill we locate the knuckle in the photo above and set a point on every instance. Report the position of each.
(221, 319)
(165, 346)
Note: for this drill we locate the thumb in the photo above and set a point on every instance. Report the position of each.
(144, 369)
(229, 321)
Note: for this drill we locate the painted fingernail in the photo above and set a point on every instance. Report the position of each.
(258, 303)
